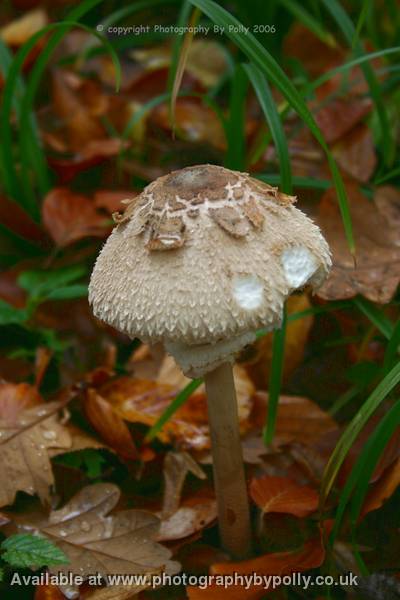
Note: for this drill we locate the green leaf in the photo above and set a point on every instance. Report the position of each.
(24, 550)
(9, 315)
(68, 292)
(42, 284)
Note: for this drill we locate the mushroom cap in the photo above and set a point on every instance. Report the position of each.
(204, 255)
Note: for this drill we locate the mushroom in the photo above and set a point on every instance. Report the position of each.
(200, 260)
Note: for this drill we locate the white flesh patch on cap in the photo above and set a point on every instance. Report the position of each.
(248, 291)
(299, 264)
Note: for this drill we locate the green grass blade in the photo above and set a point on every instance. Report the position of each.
(261, 58)
(349, 32)
(271, 114)
(304, 17)
(183, 20)
(353, 429)
(376, 316)
(173, 407)
(278, 355)
(393, 347)
(363, 468)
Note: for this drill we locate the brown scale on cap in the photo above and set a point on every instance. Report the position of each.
(233, 200)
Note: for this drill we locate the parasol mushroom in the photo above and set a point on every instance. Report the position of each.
(200, 261)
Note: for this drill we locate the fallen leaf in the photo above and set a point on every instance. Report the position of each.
(109, 425)
(16, 397)
(298, 419)
(19, 31)
(194, 121)
(96, 542)
(280, 563)
(48, 592)
(69, 217)
(142, 401)
(340, 115)
(177, 465)
(377, 271)
(206, 60)
(382, 489)
(42, 359)
(355, 153)
(26, 437)
(282, 495)
(188, 519)
(115, 592)
(80, 126)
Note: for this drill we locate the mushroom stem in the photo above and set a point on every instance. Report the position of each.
(229, 477)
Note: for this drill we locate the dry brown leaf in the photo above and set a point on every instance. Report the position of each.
(143, 401)
(15, 397)
(194, 120)
(282, 495)
(25, 441)
(257, 359)
(206, 60)
(69, 217)
(96, 542)
(177, 465)
(48, 592)
(80, 126)
(109, 425)
(115, 592)
(19, 31)
(355, 153)
(377, 271)
(281, 563)
(383, 488)
(188, 519)
(340, 115)
(298, 419)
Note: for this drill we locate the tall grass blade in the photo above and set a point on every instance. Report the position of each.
(173, 407)
(278, 355)
(353, 429)
(271, 114)
(261, 58)
(349, 32)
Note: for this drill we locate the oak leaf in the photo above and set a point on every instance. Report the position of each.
(28, 434)
(96, 542)
(282, 495)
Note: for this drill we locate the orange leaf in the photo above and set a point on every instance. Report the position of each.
(48, 592)
(109, 425)
(68, 217)
(282, 495)
(16, 397)
(281, 563)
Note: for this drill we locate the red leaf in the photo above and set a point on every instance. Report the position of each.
(339, 116)
(69, 217)
(282, 495)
